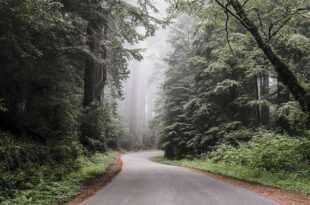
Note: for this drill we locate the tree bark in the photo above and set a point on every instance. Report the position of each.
(258, 110)
(265, 111)
(286, 76)
(102, 70)
(90, 67)
(95, 71)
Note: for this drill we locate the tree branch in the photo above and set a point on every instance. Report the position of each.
(231, 13)
(227, 32)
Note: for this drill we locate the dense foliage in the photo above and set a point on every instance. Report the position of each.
(62, 67)
(236, 87)
(270, 159)
(267, 151)
(227, 79)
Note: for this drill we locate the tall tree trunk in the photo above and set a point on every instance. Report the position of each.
(286, 76)
(102, 69)
(90, 67)
(265, 111)
(258, 113)
(95, 66)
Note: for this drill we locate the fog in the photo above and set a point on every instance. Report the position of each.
(137, 108)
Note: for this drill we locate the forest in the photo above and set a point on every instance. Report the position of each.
(226, 81)
(236, 90)
(233, 91)
(63, 63)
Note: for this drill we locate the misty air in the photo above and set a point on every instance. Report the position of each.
(154, 102)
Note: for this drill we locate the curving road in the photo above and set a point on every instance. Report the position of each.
(143, 182)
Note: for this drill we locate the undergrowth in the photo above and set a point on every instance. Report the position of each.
(270, 159)
(48, 190)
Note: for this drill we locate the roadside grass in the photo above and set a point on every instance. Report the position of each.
(285, 181)
(57, 192)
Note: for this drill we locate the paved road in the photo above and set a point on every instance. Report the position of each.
(142, 182)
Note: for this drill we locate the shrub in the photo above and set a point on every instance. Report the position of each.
(25, 163)
(92, 129)
(14, 154)
(267, 151)
(290, 118)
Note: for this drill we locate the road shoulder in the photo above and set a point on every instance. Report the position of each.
(281, 196)
(97, 183)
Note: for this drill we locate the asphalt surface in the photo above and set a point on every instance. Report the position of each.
(143, 182)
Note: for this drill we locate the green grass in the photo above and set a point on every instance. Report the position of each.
(51, 192)
(285, 181)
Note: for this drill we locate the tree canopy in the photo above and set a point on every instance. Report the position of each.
(234, 71)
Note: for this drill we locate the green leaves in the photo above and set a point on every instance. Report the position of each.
(291, 114)
(267, 151)
(224, 86)
(261, 102)
(299, 42)
(219, 82)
